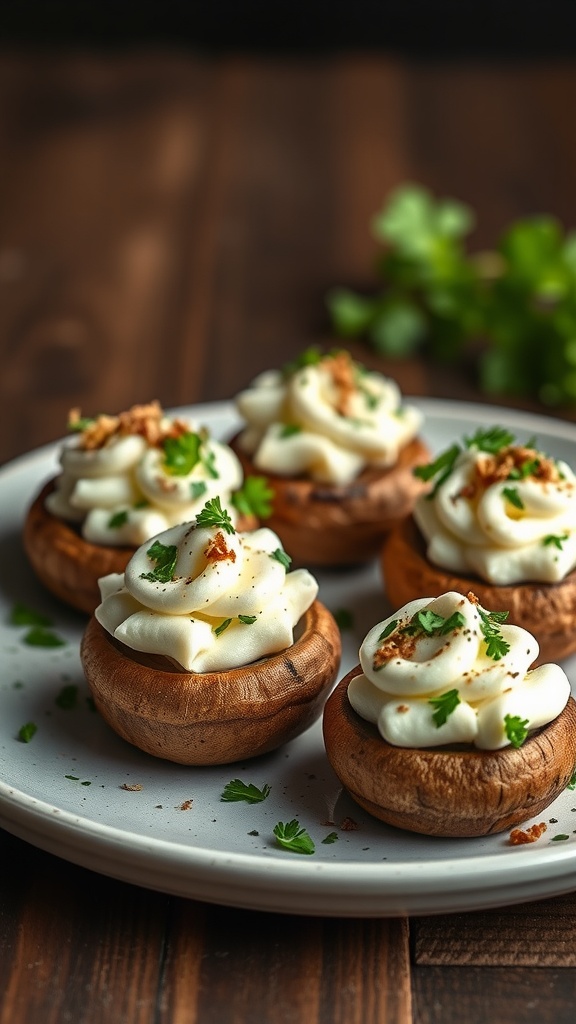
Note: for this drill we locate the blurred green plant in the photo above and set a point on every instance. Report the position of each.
(515, 305)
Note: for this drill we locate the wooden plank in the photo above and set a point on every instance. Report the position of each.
(77, 947)
(472, 995)
(277, 969)
(540, 934)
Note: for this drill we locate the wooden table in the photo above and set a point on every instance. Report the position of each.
(169, 227)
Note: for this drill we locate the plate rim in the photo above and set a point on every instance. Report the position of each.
(366, 889)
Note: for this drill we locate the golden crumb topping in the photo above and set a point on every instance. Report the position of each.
(146, 421)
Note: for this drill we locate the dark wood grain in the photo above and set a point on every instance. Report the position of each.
(169, 226)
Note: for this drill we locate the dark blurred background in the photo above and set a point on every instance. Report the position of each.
(423, 27)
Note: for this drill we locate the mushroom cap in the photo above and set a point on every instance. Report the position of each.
(447, 792)
(335, 524)
(213, 717)
(547, 610)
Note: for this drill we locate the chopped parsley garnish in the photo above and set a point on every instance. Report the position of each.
(427, 621)
(21, 615)
(344, 618)
(511, 495)
(238, 790)
(197, 489)
(68, 697)
(560, 838)
(181, 453)
(332, 837)
(291, 837)
(556, 539)
(491, 441)
(388, 630)
(247, 620)
(118, 519)
(288, 430)
(445, 704)
(572, 783)
(39, 636)
(81, 423)
(27, 731)
(496, 645)
(516, 729)
(254, 498)
(527, 468)
(214, 515)
(165, 557)
(218, 630)
(311, 356)
(208, 459)
(280, 555)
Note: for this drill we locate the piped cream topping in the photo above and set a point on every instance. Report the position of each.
(444, 670)
(508, 516)
(207, 597)
(328, 419)
(126, 478)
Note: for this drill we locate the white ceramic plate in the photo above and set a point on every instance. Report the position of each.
(63, 791)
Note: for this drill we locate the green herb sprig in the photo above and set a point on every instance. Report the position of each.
(444, 706)
(438, 296)
(496, 645)
(237, 790)
(291, 837)
(254, 498)
(214, 515)
(516, 729)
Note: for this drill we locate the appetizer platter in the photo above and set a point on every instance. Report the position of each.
(276, 832)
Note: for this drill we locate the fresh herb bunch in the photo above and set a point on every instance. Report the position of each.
(518, 300)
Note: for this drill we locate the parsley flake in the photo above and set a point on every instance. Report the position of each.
(344, 618)
(291, 837)
(118, 519)
(496, 645)
(445, 705)
(181, 453)
(288, 430)
(27, 731)
(254, 498)
(218, 630)
(238, 790)
(516, 729)
(560, 838)
(332, 837)
(67, 698)
(165, 557)
(214, 515)
(556, 539)
(21, 615)
(39, 636)
(280, 555)
(388, 630)
(511, 495)
(247, 620)
(572, 783)
(197, 489)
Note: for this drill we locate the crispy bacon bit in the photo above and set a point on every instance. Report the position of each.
(492, 468)
(399, 645)
(520, 836)
(349, 825)
(341, 369)
(402, 709)
(218, 551)
(185, 806)
(143, 420)
(133, 787)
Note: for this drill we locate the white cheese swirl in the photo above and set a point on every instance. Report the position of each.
(228, 599)
(126, 491)
(328, 420)
(429, 689)
(505, 529)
